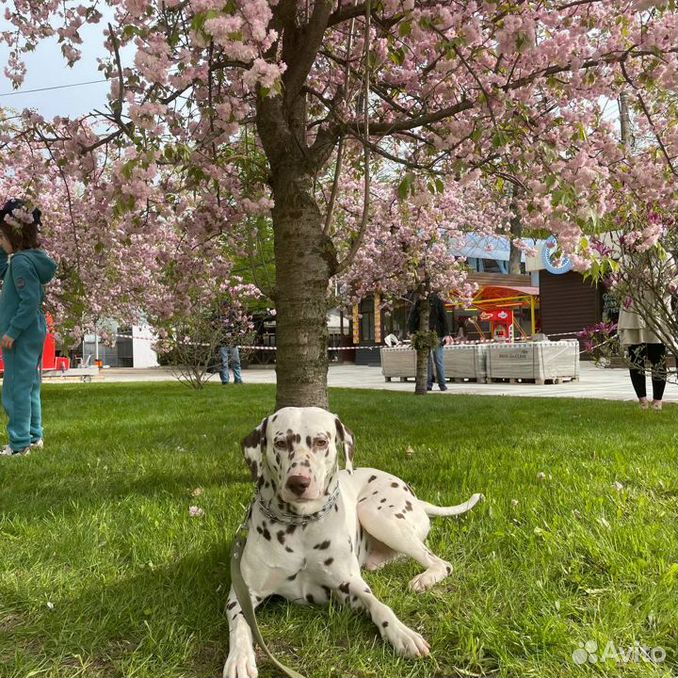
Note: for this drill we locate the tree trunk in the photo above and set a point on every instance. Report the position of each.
(516, 233)
(421, 378)
(304, 260)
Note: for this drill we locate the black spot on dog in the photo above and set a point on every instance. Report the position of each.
(310, 598)
(400, 515)
(371, 478)
(230, 606)
(281, 536)
(322, 545)
(309, 441)
(375, 492)
(289, 550)
(329, 561)
(266, 534)
(383, 501)
(408, 505)
(394, 484)
(336, 508)
(448, 569)
(328, 591)
(253, 439)
(344, 587)
(290, 529)
(363, 499)
(292, 577)
(259, 530)
(384, 624)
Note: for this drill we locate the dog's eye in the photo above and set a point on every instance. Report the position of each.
(280, 444)
(321, 442)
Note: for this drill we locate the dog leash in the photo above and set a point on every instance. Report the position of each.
(242, 594)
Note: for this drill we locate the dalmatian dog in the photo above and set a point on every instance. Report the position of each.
(312, 527)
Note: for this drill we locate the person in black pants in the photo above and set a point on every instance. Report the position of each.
(642, 344)
(656, 354)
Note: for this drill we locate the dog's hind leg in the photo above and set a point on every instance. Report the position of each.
(400, 535)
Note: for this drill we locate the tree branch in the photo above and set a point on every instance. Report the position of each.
(301, 48)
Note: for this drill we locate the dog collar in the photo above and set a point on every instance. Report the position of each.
(296, 519)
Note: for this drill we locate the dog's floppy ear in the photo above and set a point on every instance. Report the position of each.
(345, 435)
(253, 448)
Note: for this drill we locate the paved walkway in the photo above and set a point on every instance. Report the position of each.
(594, 382)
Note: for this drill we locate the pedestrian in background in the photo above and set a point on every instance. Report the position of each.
(229, 351)
(439, 323)
(641, 343)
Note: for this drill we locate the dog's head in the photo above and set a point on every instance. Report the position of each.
(295, 450)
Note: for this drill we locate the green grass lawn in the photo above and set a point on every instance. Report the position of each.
(104, 573)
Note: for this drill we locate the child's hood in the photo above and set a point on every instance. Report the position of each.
(44, 266)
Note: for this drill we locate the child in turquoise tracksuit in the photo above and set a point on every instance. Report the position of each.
(24, 269)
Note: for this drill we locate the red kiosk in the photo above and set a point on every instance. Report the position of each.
(501, 323)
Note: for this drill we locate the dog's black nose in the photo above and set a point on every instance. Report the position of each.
(298, 484)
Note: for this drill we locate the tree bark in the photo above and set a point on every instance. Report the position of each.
(516, 233)
(421, 378)
(305, 260)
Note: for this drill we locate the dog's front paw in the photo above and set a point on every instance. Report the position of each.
(241, 663)
(406, 642)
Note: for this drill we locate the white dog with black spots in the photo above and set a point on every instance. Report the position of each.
(312, 527)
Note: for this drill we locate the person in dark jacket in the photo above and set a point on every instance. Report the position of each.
(439, 323)
(229, 351)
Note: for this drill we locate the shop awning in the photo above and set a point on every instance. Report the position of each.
(498, 293)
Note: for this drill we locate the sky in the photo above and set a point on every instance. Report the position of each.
(47, 68)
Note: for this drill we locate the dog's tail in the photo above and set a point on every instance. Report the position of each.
(433, 510)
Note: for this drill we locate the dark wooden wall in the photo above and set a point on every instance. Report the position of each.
(568, 303)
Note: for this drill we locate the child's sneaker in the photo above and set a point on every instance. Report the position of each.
(7, 451)
(38, 444)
